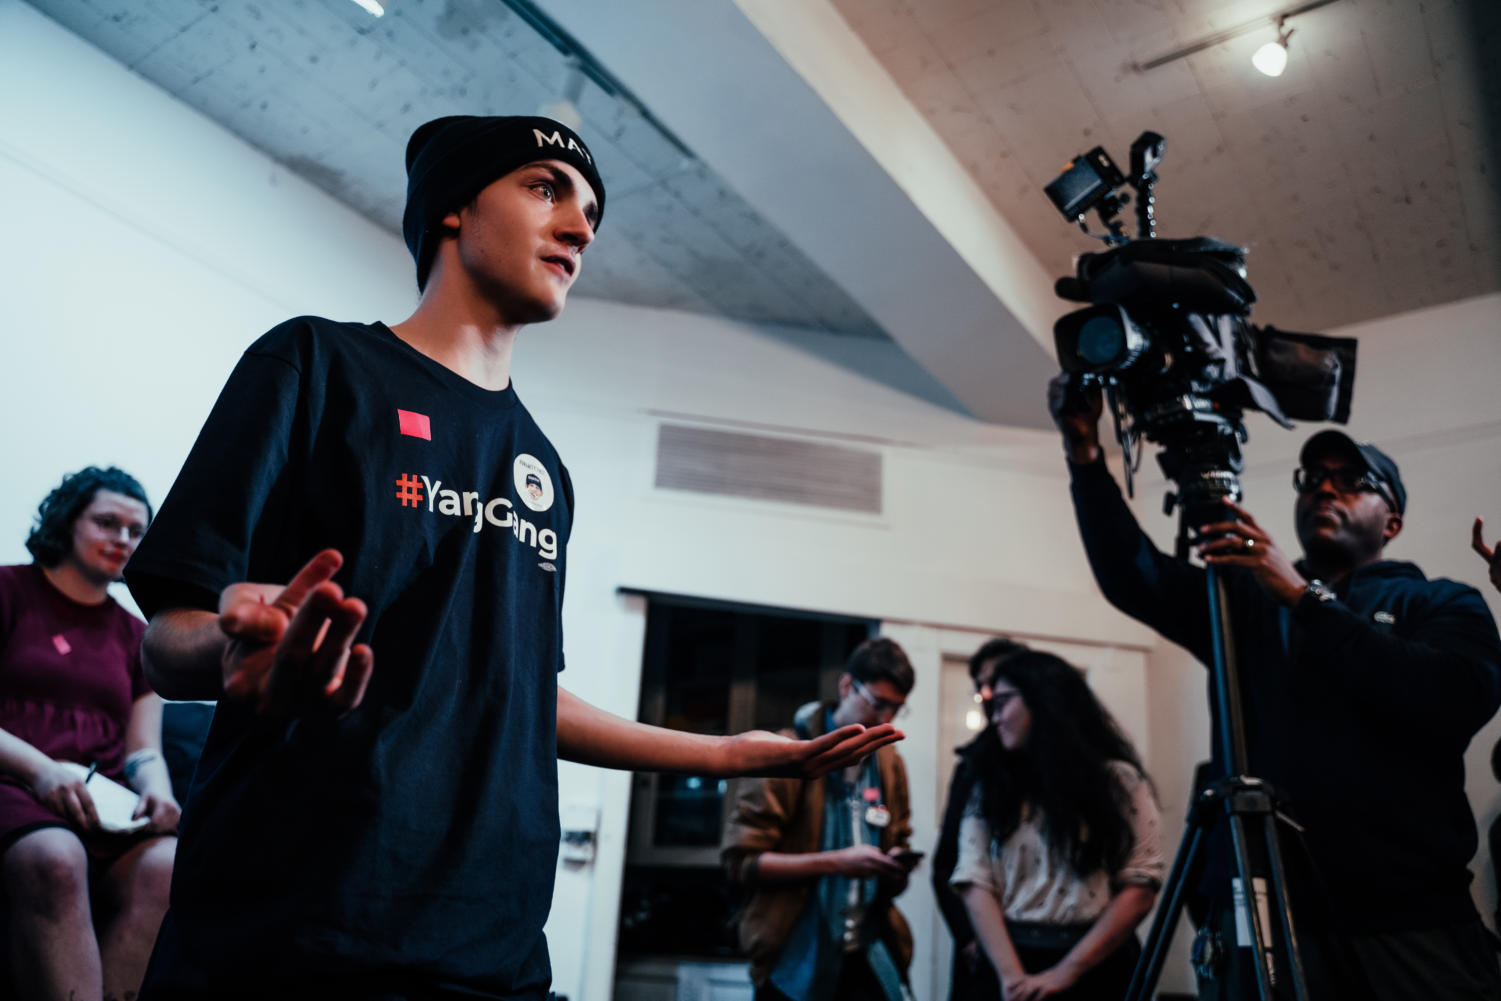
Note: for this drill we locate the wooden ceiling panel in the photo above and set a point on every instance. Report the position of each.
(1133, 20)
(925, 76)
(982, 33)
(883, 25)
(1364, 178)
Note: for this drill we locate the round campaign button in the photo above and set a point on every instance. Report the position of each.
(533, 484)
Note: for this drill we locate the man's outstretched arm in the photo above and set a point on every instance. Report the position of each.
(591, 736)
(286, 650)
(182, 653)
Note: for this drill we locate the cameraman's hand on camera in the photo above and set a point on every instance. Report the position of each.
(1243, 543)
(1076, 410)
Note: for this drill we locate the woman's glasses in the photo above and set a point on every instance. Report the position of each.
(112, 526)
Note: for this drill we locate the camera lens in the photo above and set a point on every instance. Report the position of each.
(1101, 340)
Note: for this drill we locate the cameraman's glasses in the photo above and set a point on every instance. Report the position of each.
(1345, 479)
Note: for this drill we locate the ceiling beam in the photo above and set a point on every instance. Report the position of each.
(888, 214)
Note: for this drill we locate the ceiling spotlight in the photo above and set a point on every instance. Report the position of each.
(371, 7)
(1271, 58)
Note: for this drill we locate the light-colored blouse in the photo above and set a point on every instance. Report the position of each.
(1035, 884)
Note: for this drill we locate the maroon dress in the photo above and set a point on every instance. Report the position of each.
(69, 675)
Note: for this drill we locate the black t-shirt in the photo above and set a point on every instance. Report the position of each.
(415, 837)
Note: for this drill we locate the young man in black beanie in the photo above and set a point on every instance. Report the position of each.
(388, 828)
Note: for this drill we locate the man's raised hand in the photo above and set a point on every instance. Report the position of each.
(1076, 410)
(1492, 556)
(291, 649)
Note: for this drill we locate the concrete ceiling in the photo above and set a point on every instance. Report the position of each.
(873, 168)
(333, 93)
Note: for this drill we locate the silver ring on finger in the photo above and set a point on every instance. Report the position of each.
(1250, 543)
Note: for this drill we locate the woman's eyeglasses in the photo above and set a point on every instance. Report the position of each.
(113, 526)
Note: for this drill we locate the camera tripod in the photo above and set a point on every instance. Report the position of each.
(1246, 803)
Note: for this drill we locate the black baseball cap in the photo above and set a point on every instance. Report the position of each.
(1376, 462)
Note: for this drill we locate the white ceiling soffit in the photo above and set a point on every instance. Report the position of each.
(970, 318)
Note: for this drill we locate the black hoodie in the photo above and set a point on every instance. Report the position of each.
(1358, 711)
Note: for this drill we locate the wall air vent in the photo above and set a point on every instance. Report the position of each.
(756, 467)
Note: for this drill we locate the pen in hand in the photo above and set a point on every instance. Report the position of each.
(92, 769)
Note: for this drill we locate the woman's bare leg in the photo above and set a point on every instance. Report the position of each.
(54, 953)
(133, 898)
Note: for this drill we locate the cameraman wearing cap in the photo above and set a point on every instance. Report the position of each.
(1362, 683)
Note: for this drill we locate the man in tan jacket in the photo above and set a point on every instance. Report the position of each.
(822, 859)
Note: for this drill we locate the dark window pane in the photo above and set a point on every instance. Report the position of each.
(688, 810)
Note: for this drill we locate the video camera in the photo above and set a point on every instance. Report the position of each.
(1168, 337)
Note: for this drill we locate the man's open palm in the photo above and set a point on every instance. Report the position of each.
(290, 649)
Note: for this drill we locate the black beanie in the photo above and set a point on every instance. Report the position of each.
(450, 160)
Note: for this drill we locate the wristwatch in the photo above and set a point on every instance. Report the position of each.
(1321, 591)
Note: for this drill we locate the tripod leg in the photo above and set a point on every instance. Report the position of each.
(1284, 907)
(1169, 908)
(1260, 953)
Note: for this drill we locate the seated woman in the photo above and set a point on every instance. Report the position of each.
(71, 690)
(1060, 853)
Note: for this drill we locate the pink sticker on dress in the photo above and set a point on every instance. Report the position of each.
(61, 642)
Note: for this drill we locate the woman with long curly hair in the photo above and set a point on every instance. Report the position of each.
(83, 891)
(1060, 853)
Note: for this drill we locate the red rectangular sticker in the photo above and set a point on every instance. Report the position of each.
(415, 425)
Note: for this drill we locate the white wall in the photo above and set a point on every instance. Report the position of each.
(968, 538)
(144, 248)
